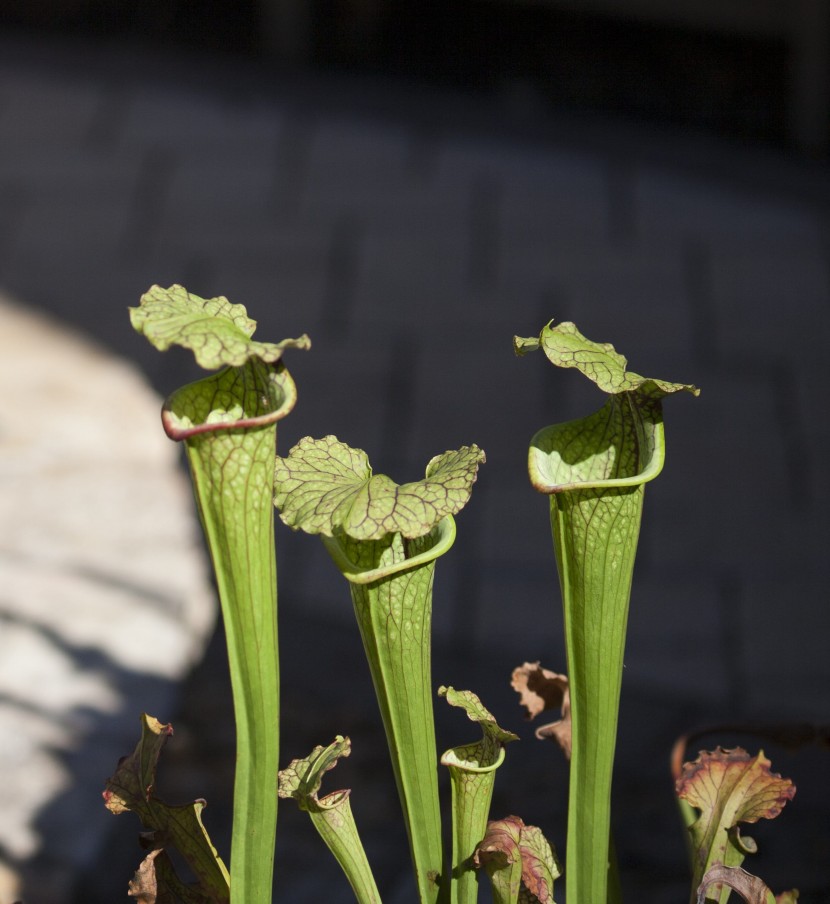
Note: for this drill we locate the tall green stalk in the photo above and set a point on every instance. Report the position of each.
(228, 424)
(331, 815)
(472, 776)
(392, 601)
(594, 470)
(385, 540)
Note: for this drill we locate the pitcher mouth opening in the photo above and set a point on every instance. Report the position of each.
(444, 533)
(268, 392)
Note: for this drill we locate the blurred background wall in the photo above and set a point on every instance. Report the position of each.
(412, 183)
(751, 68)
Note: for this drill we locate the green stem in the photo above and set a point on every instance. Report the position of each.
(232, 470)
(505, 883)
(385, 537)
(473, 776)
(391, 587)
(596, 585)
(335, 823)
(332, 814)
(245, 565)
(594, 469)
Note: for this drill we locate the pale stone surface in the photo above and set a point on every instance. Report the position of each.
(104, 591)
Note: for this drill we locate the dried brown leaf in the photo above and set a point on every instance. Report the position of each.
(749, 887)
(131, 789)
(539, 690)
(132, 784)
(143, 886)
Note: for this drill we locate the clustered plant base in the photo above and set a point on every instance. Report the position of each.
(386, 539)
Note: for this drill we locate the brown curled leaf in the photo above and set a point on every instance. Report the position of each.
(156, 882)
(539, 690)
(132, 784)
(749, 887)
(143, 886)
(131, 788)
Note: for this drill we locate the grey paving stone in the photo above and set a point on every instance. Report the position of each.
(518, 613)
(39, 109)
(520, 165)
(728, 494)
(69, 174)
(215, 189)
(783, 622)
(231, 238)
(552, 196)
(639, 298)
(286, 303)
(469, 388)
(812, 382)
(198, 125)
(666, 202)
(409, 209)
(765, 300)
(341, 389)
(404, 280)
(62, 231)
(345, 145)
(514, 520)
(661, 655)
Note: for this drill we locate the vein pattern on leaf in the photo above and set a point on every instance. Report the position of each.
(565, 346)
(254, 395)
(477, 712)
(216, 331)
(509, 841)
(734, 786)
(729, 787)
(325, 487)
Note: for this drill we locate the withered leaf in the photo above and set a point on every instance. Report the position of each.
(749, 887)
(156, 882)
(539, 690)
(143, 886)
(179, 826)
(131, 785)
